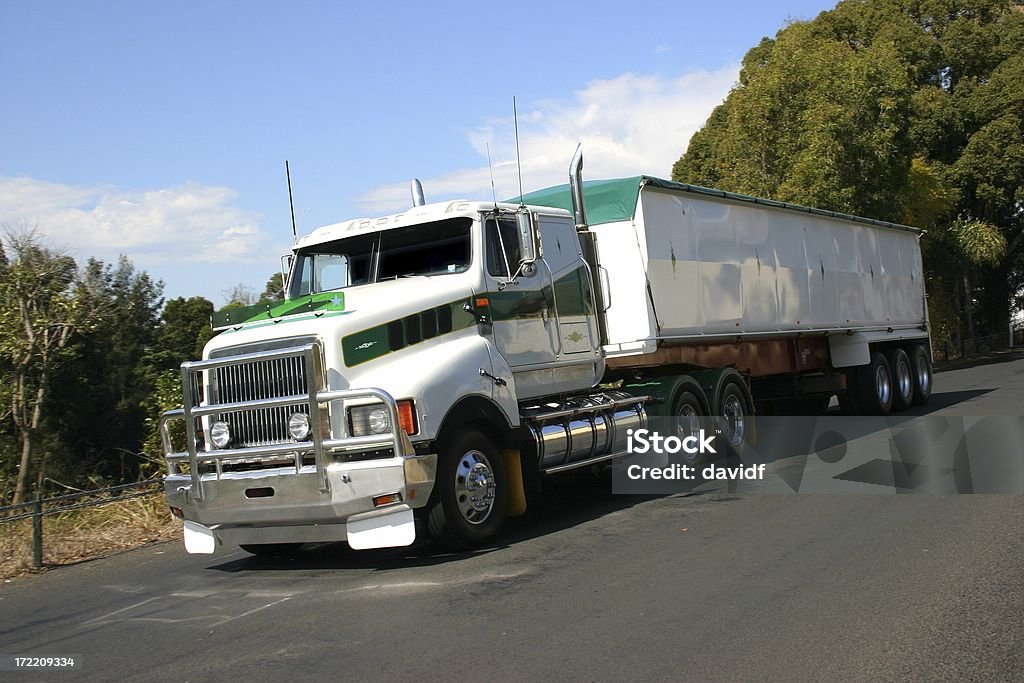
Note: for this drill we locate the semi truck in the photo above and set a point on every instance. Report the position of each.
(429, 369)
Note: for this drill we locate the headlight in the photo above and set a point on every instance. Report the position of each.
(379, 420)
(220, 434)
(298, 426)
(372, 419)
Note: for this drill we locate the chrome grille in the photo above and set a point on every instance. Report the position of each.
(254, 381)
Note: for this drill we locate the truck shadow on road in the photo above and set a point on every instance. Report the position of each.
(565, 503)
(576, 498)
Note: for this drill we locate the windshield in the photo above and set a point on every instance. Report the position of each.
(438, 248)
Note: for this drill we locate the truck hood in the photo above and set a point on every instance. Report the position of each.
(343, 313)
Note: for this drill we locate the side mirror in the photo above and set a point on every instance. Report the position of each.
(527, 237)
(287, 261)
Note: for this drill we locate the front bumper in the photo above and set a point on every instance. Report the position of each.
(280, 506)
(279, 496)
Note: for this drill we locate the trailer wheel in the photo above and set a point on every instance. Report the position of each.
(875, 384)
(921, 370)
(733, 415)
(688, 419)
(271, 549)
(902, 378)
(471, 491)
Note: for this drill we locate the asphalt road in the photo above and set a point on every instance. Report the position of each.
(863, 584)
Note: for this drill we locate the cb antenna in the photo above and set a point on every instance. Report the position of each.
(291, 203)
(519, 162)
(494, 194)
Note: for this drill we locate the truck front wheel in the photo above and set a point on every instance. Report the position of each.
(471, 491)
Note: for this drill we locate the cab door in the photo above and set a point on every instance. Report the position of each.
(522, 309)
(574, 321)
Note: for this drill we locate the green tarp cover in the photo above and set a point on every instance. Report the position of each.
(609, 201)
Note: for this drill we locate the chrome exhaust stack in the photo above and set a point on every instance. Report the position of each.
(588, 242)
(416, 189)
(579, 209)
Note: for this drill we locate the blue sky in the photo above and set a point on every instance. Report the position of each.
(160, 130)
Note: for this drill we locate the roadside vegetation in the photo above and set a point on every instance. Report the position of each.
(87, 533)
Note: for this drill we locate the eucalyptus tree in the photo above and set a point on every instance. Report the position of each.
(906, 110)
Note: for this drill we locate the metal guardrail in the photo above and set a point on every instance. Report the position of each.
(55, 505)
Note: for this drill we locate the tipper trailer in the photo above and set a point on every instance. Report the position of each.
(428, 368)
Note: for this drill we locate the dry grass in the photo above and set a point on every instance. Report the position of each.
(87, 533)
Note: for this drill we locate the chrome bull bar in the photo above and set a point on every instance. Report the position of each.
(316, 399)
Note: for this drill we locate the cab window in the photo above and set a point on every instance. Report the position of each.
(502, 248)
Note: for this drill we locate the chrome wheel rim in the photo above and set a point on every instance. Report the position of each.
(688, 424)
(735, 420)
(474, 487)
(904, 381)
(883, 385)
(924, 377)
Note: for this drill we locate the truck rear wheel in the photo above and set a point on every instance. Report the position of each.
(471, 491)
(733, 411)
(688, 419)
(902, 377)
(921, 369)
(875, 380)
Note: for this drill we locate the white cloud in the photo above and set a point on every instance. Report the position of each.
(189, 222)
(629, 125)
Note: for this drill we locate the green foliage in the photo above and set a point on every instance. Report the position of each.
(183, 331)
(41, 310)
(274, 291)
(907, 110)
(166, 395)
(102, 386)
(794, 129)
(927, 200)
(89, 359)
(980, 242)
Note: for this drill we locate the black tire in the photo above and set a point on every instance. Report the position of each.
(272, 549)
(902, 379)
(921, 371)
(875, 386)
(467, 463)
(733, 413)
(687, 419)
